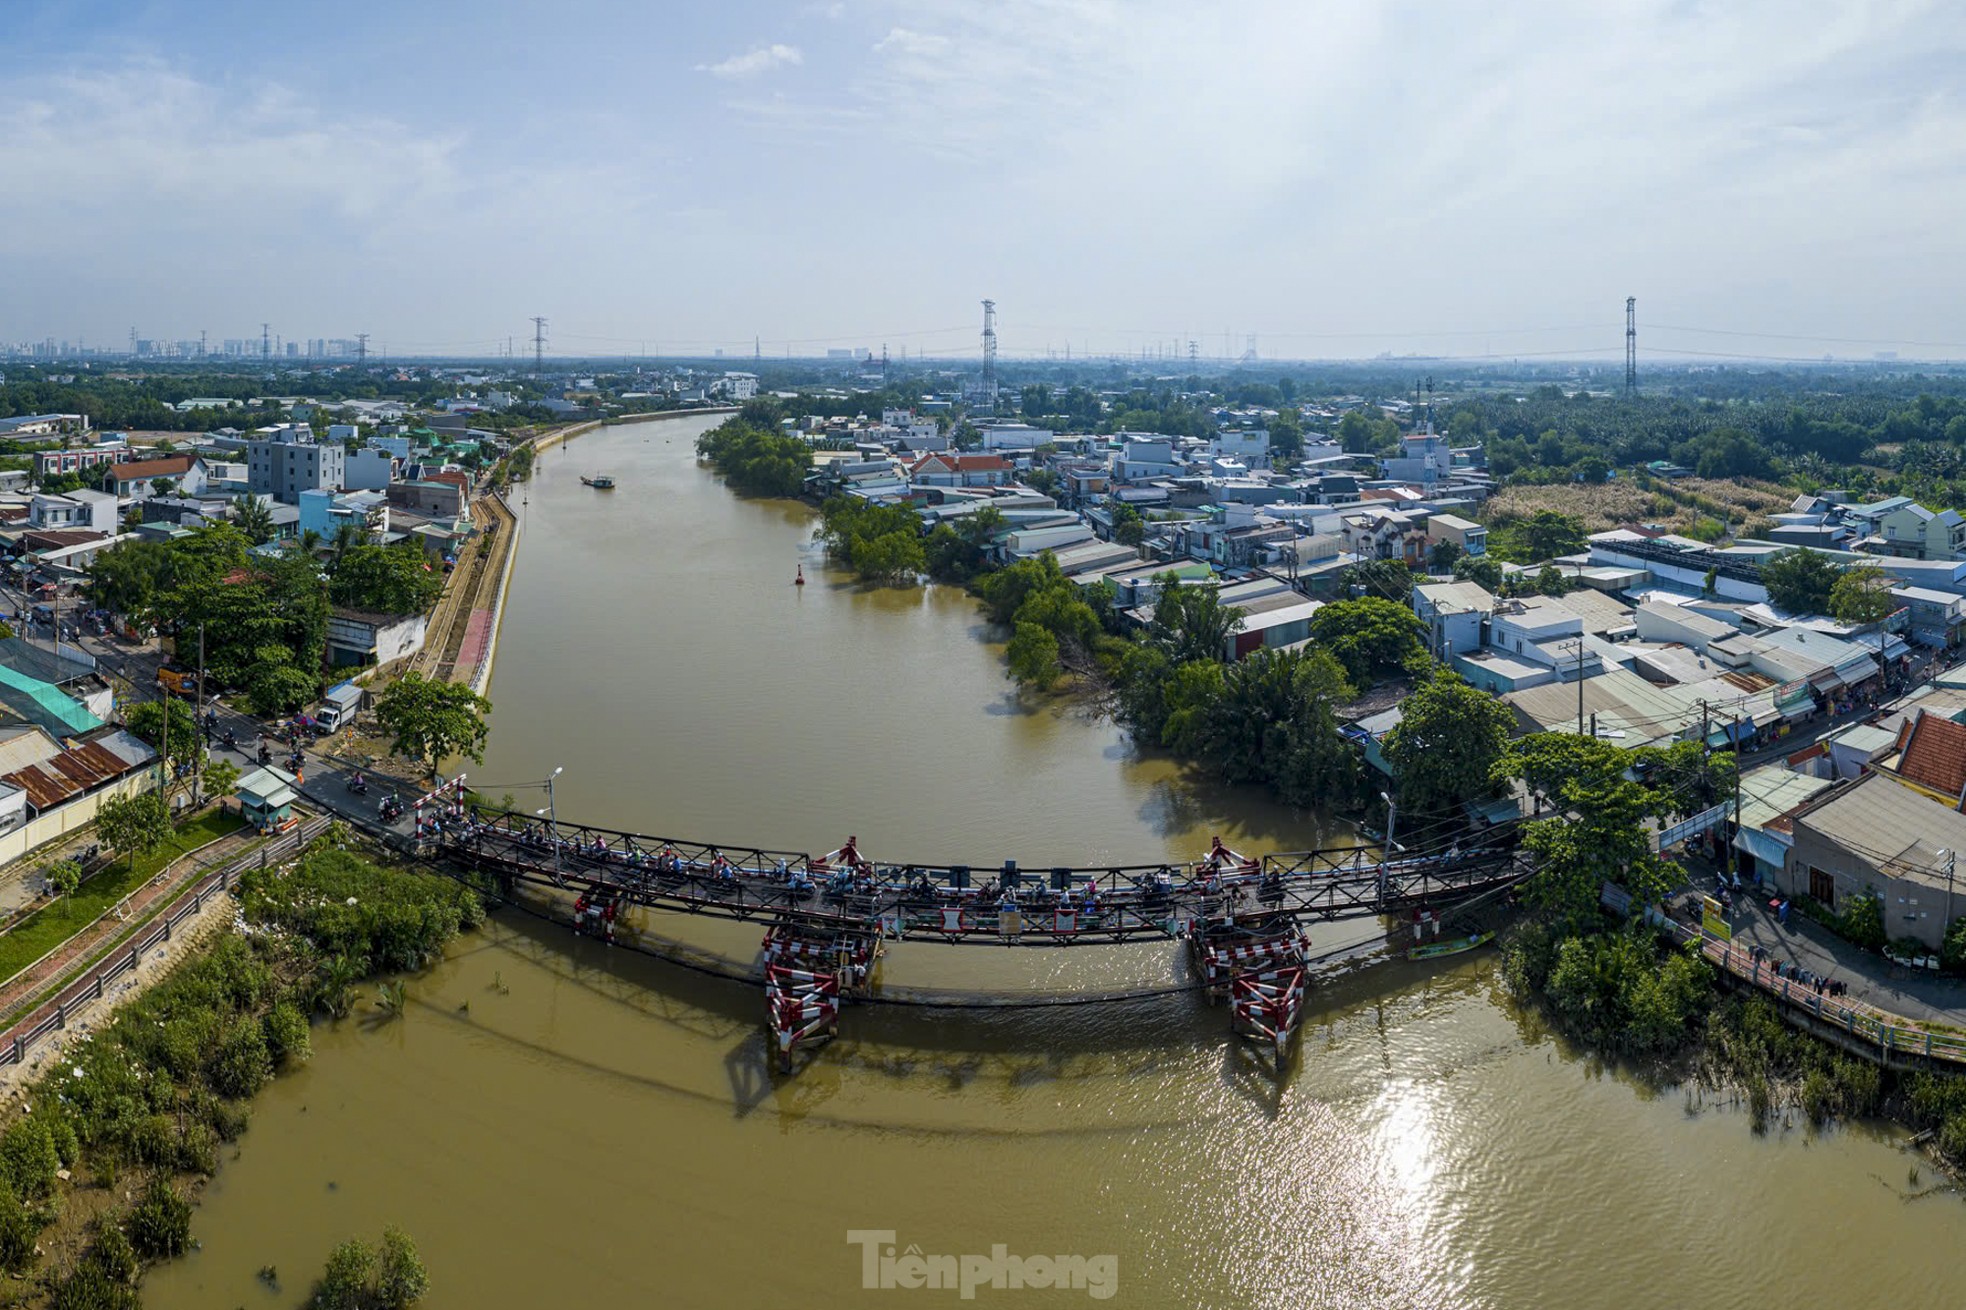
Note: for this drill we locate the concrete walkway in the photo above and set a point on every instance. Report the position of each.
(1917, 994)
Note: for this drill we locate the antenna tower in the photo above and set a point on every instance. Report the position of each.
(265, 341)
(361, 348)
(538, 343)
(1631, 346)
(990, 353)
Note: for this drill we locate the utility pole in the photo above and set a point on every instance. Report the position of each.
(1949, 860)
(1580, 684)
(1733, 860)
(1392, 818)
(1631, 347)
(538, 343)
(197, 755)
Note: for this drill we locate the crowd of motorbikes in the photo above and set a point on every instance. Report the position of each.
(297, 730)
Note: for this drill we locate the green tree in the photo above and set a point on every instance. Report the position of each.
(429, 721)
(135, 825)
(159, 1227)
(254, 517)
(1191, 623)
(1033, 655)
(755, 460)
(1370, 637)
(61, 877)
(385, 579)
(1861, 596)
(149, 719)
(1388, 579)
(1600, 831)
(1129, 529)
(274, 685)
(1444, 555)
(347, 1280)
(1799, 581)
(1550, 581)
(1480, 570)
(221, 776)
(400, 1277)
(1451, 746)
(1286, 435)
(1547, 534)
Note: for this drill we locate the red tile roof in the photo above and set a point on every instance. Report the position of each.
(142, 470)
(1934, 753)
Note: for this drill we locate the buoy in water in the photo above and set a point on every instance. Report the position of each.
(800, 580)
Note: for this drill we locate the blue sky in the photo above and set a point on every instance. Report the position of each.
(1338, 179)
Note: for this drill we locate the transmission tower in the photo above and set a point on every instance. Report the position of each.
(265, 342)
(201, 343)
(1194, 352)
(990, 353)
(133, 343)
(1631, 345)
(538, 343)
(361, 348)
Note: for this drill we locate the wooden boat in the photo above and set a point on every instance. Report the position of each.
(600, 482)
(1452, 946)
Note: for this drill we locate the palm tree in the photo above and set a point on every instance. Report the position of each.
(253, 518)
(346, 538)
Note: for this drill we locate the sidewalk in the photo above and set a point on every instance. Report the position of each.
(1917, 994)
(38, 977)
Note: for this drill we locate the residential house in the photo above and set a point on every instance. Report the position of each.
(1455, 614)
(359, 639)
(1471, 537)
(1938, 618)
(957, 470)
(367, 469)
(324, 513)
(286, 461)
(1877, 836)
(1912, 531)
(93, 510)
(138, 479)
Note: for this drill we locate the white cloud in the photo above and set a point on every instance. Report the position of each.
(762, 60)
(901, 41)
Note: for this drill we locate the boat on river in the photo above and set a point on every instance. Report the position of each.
(599, 481)
(1452, 946)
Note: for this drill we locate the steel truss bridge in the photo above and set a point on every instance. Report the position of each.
(829, 914)
(1007, 904)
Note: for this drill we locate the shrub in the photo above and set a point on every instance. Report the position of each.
(91, 1287)
(286, 1034)
(19, 1227)
(160, 1225)
(242, 1065)
(113, 1253)
(401, 1279)
(345, 1282)
(29, 1157)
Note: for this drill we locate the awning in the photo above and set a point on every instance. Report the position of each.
(1793, 701)
(1763, 847)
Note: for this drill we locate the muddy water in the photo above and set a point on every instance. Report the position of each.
(560, 1124)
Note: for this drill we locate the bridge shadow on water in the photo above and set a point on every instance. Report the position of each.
(957, 1041)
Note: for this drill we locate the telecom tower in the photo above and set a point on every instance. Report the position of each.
(538, 343)
(990, 353)
(1631, 345)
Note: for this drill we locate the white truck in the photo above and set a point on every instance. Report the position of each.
(338, 706)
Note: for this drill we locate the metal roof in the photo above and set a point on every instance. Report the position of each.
(1889, 826)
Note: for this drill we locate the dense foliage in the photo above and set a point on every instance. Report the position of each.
(879, 543)
(165, 1083)
(1798, 581)
(385, 580)
(430, 720)
(756, 460)
(1450, 747)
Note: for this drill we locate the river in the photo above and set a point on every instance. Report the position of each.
(561, 1124)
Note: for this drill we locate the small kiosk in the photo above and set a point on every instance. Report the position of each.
(266, 798)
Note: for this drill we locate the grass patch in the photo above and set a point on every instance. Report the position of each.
(50, 926)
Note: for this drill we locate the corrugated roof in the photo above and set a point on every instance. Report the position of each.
(45, 788)
(1891, 827)
(1773, 790)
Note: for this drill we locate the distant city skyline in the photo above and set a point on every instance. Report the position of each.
(1772, 181)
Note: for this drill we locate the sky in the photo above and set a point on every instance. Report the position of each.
(1770, 178)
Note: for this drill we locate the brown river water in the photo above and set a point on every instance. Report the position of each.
(561, 1124)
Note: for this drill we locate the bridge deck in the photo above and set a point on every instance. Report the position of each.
(952, 903)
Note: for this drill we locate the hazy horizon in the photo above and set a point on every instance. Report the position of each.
(1771, 181)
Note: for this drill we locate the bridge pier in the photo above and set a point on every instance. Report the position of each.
(1260, 967)
(810, 971)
